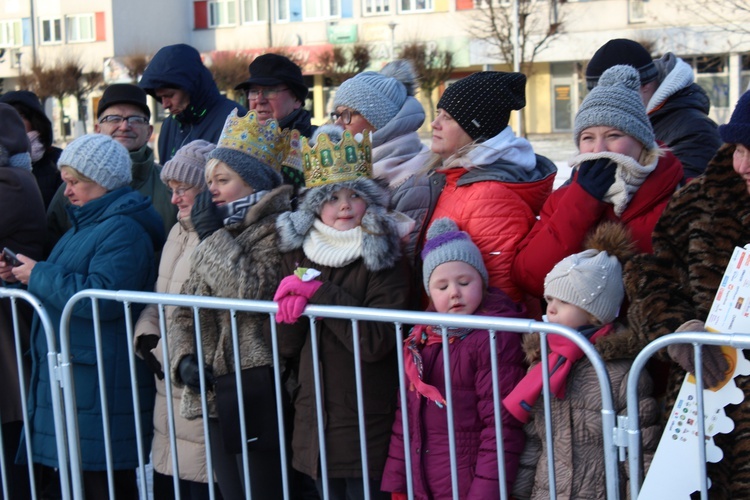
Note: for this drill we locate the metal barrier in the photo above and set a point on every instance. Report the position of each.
(53, 362)
(355, 315)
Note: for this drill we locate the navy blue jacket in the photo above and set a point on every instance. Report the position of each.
(180, 67)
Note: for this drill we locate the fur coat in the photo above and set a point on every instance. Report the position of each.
(693, 242)
(239, 261)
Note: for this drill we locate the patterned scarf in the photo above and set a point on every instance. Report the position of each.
(420, 337)
(235, 211)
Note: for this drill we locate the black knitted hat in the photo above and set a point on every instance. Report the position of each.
(481, 103)
(274, 69)
(737, 131)
(621, 51)
(123, 93)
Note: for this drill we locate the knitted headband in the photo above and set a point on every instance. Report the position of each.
(445, 243)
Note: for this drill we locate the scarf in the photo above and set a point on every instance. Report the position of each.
(628, 177)
(679, 77)
(398, 159)
(420, 337)
(37, 148)
(235, 211)
(330, 247)
(564, 354)
(505, 146)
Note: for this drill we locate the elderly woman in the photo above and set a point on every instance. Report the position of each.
(622, 176)
(183, 175)
(111, 246)
(675, 287)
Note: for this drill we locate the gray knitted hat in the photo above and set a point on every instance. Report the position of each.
(100, 158)
(616, 102)
(591, 280)
(257, 174)
(188, 164)
(481, 103)
(445, 243)
(378, 96)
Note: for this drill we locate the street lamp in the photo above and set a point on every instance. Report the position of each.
(393, 25)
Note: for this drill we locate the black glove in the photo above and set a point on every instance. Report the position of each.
(205, 216)
(144, 346)
(190, 376)
(597, 176)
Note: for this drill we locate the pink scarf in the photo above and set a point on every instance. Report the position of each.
(564, 354)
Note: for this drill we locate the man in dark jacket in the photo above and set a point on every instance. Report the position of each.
(677, 107)
(177, 78)
(123, 114)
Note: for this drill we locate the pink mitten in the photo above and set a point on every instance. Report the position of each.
(291, 308)
(292, 297)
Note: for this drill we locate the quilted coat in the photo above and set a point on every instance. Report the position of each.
(174, 270)
(110, 246)
(239, 261)
(473, 413)
(570, 213)
(577, 424)
(693, 242)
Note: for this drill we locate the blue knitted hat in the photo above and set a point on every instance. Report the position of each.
(737, 131)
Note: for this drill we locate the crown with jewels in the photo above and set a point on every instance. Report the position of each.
(327, 163)
(266, 142)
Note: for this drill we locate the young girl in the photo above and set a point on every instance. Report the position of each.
(583, 292)
(455, 279)
(343, 230)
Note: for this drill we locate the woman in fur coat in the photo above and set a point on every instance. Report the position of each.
(343, 233)
(622, 175)
(237, 257)
(675, 287)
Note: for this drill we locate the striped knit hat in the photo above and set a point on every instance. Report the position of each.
(445, 243)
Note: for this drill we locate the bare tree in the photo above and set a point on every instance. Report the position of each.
(539, 22)
(229, 68)
(340, 64)
(136, 65)
(40, 80)
(729, 16)
(432, 65)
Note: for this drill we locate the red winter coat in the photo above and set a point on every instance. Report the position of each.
(473, 414)
(570, 213)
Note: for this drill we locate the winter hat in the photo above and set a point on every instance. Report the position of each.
(737, 131)
(274, 69)
(100, 158)
(123, 93)
(27, 104)
(621, 51)
(188, 164)
(616, 102)
(378, 96)
(481, 103)
(445, 243)
(14, 143)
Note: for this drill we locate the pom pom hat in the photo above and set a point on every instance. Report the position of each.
(616, 102)
(445, 243)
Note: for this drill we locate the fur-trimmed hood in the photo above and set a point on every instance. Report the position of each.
(381, 245)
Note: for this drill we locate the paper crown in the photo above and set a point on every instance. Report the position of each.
(327, 163)
(266, 142)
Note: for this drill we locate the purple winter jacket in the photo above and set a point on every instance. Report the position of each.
(474, 419)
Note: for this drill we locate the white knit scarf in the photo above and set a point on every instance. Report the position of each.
(327, 246)
(628, 177)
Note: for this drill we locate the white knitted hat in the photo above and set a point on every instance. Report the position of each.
(100, 158)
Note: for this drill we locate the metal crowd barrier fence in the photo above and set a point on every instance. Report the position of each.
(53, 362)
(632, 427)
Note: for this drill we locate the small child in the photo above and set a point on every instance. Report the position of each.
(455, 279)
(583, 292)
(343, 233)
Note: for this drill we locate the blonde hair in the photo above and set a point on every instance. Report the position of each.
(76, 174)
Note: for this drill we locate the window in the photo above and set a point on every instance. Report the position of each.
(80, 28)
(254, 10)
(222, 13)
(51, 30)
(374, 7)
(636, 11)
(317, 9)
(283, 13)
(416, 5)
(11, 34)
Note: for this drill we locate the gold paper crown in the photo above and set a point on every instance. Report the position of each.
(265, 142)
(327, 163)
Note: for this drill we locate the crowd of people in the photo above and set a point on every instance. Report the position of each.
(260, 204)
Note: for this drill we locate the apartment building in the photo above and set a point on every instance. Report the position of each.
(101, 34)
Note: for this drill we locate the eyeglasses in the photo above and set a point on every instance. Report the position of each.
(346, 116)
(117, 120)
(270, 94)
(181, 191)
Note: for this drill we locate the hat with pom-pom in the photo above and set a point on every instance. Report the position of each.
(737, 131)
(188, 164)
(445, 243)
(616, 102)
(378, 96)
